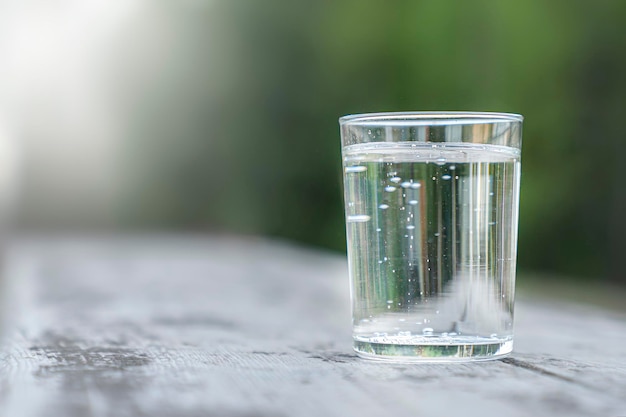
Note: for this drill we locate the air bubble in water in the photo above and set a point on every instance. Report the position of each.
(356, 168)
(395, 179)
(405, 184)
(358, 218)
(410, 227)
(383, 206)
(446, 177)
(390, 188)
(416, 185)
(413, 202)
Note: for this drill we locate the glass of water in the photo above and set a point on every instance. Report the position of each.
(431, 202)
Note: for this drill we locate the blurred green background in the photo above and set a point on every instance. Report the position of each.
(221, 116)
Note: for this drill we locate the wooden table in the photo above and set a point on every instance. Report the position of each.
(195, 326)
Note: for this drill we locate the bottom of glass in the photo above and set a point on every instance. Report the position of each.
(432, 348)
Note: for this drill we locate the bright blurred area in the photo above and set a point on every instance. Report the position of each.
(219, 116)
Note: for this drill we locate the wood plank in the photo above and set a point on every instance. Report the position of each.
(190, 326)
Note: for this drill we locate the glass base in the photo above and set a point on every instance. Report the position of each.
(432, 348)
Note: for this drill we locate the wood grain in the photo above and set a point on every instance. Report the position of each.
(190, 326)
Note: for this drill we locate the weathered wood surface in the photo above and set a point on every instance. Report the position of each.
(183, 326)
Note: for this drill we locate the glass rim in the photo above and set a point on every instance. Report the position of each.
(428, 118)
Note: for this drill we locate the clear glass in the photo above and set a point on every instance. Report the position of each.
(431, 202)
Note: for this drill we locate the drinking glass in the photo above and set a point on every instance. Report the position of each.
(431, 204)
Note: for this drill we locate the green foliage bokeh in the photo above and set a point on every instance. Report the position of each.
(263, 152)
